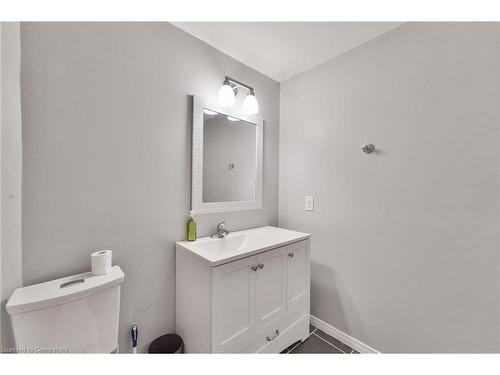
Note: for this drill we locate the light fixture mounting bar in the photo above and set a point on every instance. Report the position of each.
(239, 84)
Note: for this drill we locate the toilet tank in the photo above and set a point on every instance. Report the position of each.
(75, 314)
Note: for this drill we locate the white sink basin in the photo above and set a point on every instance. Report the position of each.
(232, 242)
(217, 251)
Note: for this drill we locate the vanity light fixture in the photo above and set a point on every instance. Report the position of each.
(250, 105)
(228, 92)
(226, 97)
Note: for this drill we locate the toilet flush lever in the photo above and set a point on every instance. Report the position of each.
(72, 282)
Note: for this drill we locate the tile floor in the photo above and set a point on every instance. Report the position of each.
(319, 342)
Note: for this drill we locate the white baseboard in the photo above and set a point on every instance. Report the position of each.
(341, 336)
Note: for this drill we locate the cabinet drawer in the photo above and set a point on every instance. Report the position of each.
(278, 335)
(299, 328)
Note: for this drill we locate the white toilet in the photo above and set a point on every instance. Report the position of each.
(75, 314)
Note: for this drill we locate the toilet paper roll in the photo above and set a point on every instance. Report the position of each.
(100, 262)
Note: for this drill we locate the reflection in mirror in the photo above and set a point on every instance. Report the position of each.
(229, 158)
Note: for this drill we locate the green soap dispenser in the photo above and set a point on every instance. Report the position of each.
(191, 227)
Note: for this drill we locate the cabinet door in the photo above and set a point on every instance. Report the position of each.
(297, 256)
(233, 303)
(270, 299)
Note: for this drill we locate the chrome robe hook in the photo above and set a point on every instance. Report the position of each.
(368, 148)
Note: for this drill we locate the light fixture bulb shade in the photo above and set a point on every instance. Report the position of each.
(226, 96)
(250, 105)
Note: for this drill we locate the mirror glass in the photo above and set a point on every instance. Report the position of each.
(229, 158)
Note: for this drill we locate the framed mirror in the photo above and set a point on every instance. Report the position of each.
(227, 148)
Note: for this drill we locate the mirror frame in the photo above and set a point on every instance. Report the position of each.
(197, 204)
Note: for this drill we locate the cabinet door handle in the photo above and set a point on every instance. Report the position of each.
(254, 268)
(290, 255)
(271, 338)
(261, 266)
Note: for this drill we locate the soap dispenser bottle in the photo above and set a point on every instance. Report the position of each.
(191, 227)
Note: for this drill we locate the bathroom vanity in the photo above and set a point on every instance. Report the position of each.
(245, 293)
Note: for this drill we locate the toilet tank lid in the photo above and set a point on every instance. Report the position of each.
(60, 291)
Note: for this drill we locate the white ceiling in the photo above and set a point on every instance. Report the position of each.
(282, 50)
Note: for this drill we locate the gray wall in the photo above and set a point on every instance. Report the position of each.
(405, 246)
(11, 159)
(107, 143)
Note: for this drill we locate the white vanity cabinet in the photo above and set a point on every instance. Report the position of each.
(251, 296)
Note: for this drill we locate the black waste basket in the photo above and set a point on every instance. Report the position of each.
(169, 343)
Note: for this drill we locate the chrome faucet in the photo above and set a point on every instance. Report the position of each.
(221, 231)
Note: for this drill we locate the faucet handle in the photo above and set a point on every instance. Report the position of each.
(221, 225)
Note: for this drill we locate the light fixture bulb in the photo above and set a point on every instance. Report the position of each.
(226, 95)
(250, 104)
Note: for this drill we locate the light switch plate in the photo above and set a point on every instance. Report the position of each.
(309, 203)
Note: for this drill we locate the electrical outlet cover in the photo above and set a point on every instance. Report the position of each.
(309, 203)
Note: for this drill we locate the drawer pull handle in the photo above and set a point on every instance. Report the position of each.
(276, 334)
(290, 255)
(254, 268)
(261, 266)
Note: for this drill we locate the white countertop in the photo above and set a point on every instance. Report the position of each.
(240, 244)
